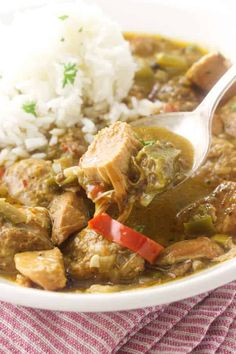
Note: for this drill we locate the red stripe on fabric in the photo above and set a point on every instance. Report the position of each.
(156, 329)
(117, 327)
(87, 335)
(60, 333)
(20, 331)
(97, 331)
(134, 347)
(229, 343)
(53, 336)
(58, 325)
(118, 318)
(160, 345)
(5, 342)
(168, 349)
(136, 328)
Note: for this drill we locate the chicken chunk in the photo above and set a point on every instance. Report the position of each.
(199, 248)
(223, 199)
(32, 234)
(220, 205)
(69, 214)
(107, 159)
(206, 71)
(220, 164)
(228, 117)
(28, 182)
(90, 255)
(44, 268)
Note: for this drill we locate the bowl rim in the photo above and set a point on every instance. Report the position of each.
(175, 290)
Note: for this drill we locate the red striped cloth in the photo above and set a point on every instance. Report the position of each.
(205, 324)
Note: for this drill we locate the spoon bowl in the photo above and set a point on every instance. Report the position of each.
(190, 125)
(195, 126)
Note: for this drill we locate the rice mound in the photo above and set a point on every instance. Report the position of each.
(61, 66)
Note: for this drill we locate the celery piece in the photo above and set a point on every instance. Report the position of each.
(201, 225)
(171, 61)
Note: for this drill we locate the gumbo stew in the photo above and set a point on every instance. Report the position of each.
(112, 215)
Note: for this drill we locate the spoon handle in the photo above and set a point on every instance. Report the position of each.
(210, 102)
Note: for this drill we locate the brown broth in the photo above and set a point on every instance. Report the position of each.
(158, 218)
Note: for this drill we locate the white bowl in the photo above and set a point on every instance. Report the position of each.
(199, 21)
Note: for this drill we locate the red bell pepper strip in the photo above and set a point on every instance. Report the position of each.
(116, 232)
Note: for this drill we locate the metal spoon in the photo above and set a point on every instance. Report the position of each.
(195, 126)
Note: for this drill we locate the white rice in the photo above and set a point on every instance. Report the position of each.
(61, 66)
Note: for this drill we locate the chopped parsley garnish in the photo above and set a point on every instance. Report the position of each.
(30, 107)
(80, 29)
(62, 39)
(233, 107)
(148, 142)
(70, 71)
(63, 17)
